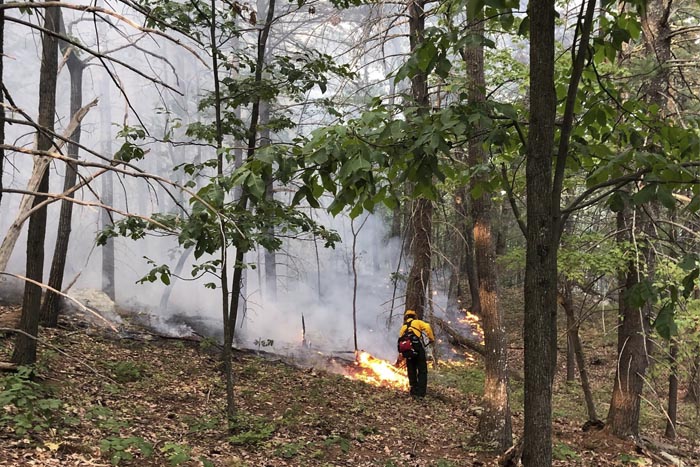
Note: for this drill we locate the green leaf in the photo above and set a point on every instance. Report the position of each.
(666, 197)
(425, 56)
(524, 28)
(443, 67)
(689, 282)
(689, 262)
(644, 195)
(641, 293)
(474, 7)
(617, 202)
(665, 323)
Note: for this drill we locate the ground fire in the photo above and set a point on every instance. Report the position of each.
(377, 372)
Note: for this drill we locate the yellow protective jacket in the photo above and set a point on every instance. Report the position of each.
(418, 327)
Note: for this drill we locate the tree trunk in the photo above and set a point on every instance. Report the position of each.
(577, 350)
(540, 322)
(570, 352)
(355, 233)
(25, 345)
(632, 344)
(179, 266)
(501, 244)
(672, 391)
(422, 213)
(107, 195)
(270, 255)
(2, 97)
(567, 303)
(694, 383)
(418, 278)
(49, 310)
(657, 40)
(231, 314)
(467, 261)
(495, 425)
(470, 270)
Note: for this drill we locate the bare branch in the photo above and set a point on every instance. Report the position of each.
(40, 166)
(96, 9)
(98, 55)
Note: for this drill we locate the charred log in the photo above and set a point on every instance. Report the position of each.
(459, 340)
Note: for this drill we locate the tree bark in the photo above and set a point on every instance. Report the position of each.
(495, 424)
(107, 194)
(632, 344)
(540, 322)
(693, 394)
(672, 391)
(657, 40)
(50, 306)
(419, 276)
(422, 213)
(25, 345)
(2, 98)
(270, 255)
(467, 261)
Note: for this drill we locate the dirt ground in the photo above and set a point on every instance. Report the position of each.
(146, 400)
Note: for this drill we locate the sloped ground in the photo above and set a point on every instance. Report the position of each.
(160, 402)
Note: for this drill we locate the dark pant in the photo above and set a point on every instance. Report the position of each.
(418, 373)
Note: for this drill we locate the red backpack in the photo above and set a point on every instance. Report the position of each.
(408, 344)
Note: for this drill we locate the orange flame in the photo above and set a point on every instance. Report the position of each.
(474, 321)
(377, 372)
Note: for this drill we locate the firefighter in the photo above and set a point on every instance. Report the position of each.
(417, 366)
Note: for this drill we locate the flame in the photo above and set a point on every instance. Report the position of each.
(377, 372)
(474, 322)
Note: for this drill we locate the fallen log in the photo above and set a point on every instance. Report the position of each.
(7, 366)
(457, 339)
(661, 452)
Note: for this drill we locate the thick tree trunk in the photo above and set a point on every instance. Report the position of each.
(540, 322)
(632, 345)
(419, 276)
(467, 261)
(495, 425)
(25, 345)
(465, 267)
(495, 422)
(422, 213)
(657, 40)
(49, 309)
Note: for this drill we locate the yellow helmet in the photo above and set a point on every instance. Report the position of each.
(409, 313)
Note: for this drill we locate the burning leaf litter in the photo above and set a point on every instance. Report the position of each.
(377, 372)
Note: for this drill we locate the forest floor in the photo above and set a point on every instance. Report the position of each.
(148, 401)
